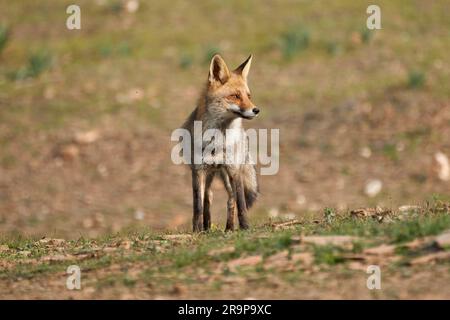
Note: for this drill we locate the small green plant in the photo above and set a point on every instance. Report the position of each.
(124, 48)
(294, 41)
(421, 227)
(390, 151)
(186, 61)
(108, 281)
(8, 161)
(105, 50)
(210, 52)
(327, 255)
(37, 63)
(128, 281)
(416, 79)
(437, 198)
(366, 35)
(329, 215)
(333, 48)
(109, 49)
(115, 6)
(4, 37)
(188, 257)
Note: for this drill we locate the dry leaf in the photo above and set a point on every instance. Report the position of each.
(51, 242)
(418, 243)
(433, 257)
(382, 250)
(377, 213)
(217, 252)
(284, 225)
(177, 236)
(69, 152)
(126, 244)
(277, 260)
(340, 241)
(25, 253)
(409, 208)
(178, 289)
(87, 137)
(306, 258)
(57, 257)
(247, 261)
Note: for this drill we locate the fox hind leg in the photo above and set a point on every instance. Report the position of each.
(241, 204)
(237, 183)
(198, 187)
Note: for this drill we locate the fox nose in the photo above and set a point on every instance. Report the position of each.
(255, 110)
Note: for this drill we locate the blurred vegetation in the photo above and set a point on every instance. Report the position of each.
(416, 79)
(36, 64)
(210, 51)
(176, 259)
(294, 41)
(4, 36)
(367, 35)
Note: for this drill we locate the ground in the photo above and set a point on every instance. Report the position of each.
(86, 117)
(327, 257)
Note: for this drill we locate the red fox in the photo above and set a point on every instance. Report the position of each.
(223, 104)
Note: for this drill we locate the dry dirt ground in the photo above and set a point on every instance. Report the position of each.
(327, 257)
(337, 283)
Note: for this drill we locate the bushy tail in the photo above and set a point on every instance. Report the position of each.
(251, 187)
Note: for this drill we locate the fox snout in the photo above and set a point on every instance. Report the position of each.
(246, 113)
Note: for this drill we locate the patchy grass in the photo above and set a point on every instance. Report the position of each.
(328, 255)
(396, 232)
(294, 41)
(4, 37)
(37, 63)
(194, 251)
(416, 79)
(417, 228)
(163, 262)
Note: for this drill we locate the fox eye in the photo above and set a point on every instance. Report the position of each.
(235, 96)
(249, 95)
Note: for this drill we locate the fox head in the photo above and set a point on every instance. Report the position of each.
(227, 93)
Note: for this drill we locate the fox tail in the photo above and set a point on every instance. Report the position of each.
(251, 187)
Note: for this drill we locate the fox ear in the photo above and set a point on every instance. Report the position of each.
(218, 70)
(244, 68)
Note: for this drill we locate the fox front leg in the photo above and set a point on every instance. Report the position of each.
(207, 202)
(198, 187)
(239, 194)
(231, 203)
